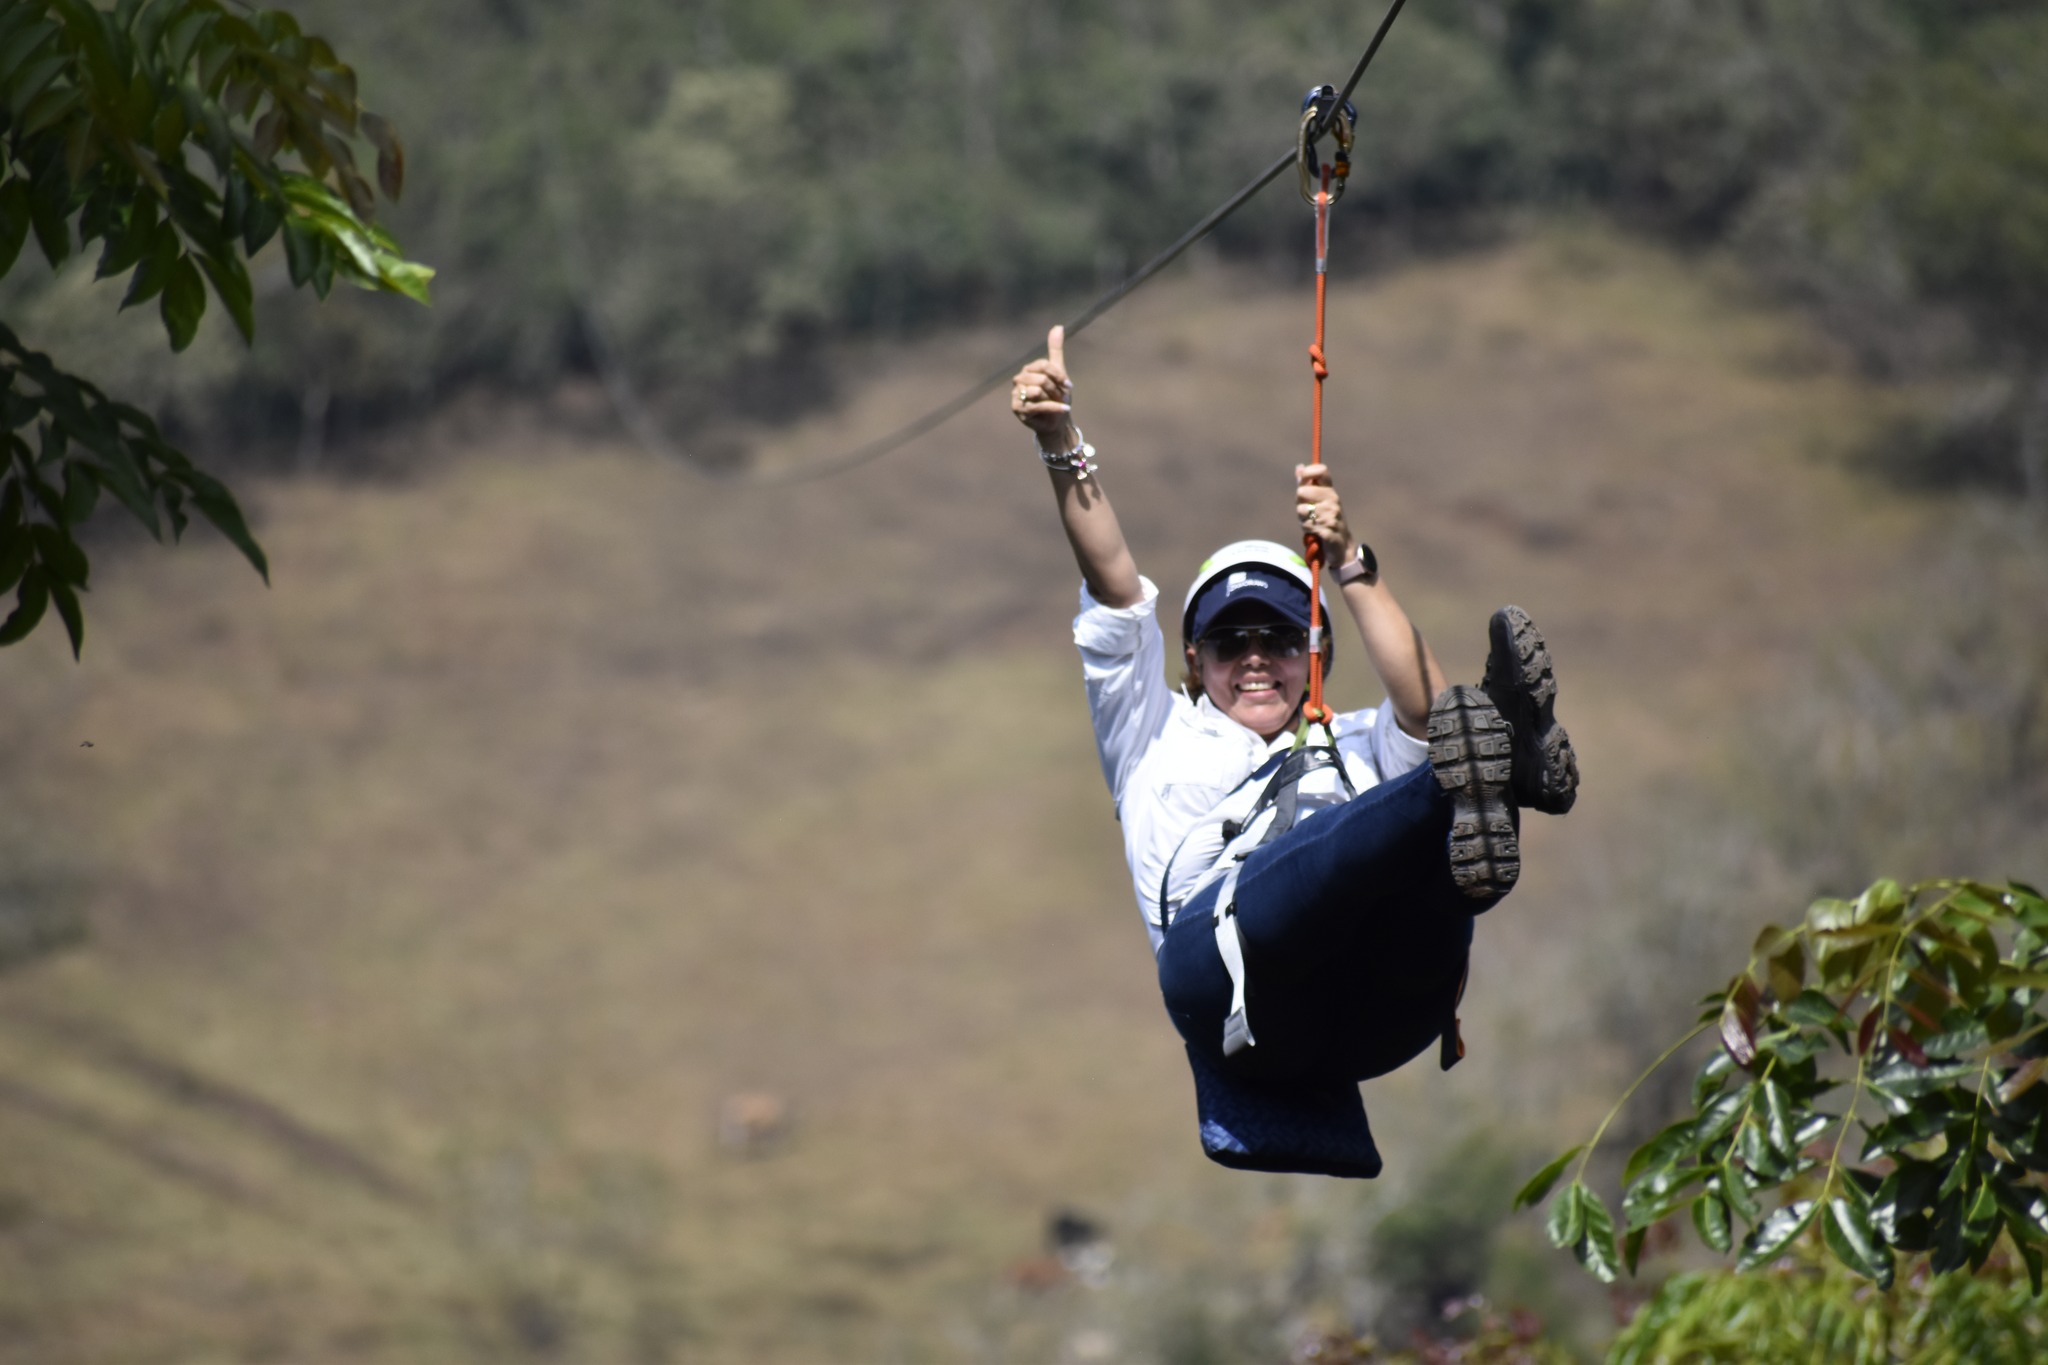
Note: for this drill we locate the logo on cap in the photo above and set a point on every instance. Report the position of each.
(1242, 579)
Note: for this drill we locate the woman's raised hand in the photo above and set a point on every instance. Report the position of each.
(1042, 396)
(1322, 512)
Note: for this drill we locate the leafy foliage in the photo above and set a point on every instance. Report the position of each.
(87, 443)
(155, 128)
(1808, 1307)
(1920, 1009)
(1955, 152)
(1488, 1337)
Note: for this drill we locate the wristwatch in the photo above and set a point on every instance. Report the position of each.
(1363, 567)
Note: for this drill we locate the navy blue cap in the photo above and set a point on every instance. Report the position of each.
(1261, 583)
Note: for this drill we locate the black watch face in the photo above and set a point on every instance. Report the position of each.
(1367, 558)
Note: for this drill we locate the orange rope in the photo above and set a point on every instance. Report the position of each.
(1314, 712)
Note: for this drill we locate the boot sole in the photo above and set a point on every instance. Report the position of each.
(1471, 751)
(1521, 683)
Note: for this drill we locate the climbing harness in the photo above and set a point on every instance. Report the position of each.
(1282, 801)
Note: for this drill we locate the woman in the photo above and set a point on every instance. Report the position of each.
(1310, 907)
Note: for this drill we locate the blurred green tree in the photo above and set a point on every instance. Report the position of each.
(1952, 152)
(158, 129)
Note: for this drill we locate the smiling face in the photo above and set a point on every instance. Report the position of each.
(1257, 690)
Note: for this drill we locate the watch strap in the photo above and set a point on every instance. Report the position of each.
(1363, 566)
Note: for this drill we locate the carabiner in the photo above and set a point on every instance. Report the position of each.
(1320, 114)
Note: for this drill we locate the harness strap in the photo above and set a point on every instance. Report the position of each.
(1284, 793)
(1281, 794)
(1237, 1029)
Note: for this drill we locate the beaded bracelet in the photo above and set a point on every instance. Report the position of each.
(1081, 459)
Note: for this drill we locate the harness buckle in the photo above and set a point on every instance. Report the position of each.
(1322, 115)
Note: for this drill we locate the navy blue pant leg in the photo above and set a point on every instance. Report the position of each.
(1355, 942)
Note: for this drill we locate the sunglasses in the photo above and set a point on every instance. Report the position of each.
(1274, 642)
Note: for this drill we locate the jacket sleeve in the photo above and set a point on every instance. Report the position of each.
(1123, 661)
(1394, 750)
(1374, 736)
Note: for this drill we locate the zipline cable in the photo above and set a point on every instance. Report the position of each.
(641, 423)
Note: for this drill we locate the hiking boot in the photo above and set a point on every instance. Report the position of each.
(1520, 683)
(1471, 751)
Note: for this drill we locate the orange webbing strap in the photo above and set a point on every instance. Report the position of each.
(1314, 712)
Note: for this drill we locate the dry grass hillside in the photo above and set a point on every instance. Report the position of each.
(439, 893)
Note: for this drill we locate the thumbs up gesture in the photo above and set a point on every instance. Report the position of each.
(1042, 395)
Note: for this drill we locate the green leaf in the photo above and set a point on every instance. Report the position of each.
(184, 303)
(81, 492)
(50, 212)
(156, 268)
(2030, 1256)
(2013, 979)
(137, 236)
(1811, 1009)
(301, 250)
(50, 108)
(1632, 1247)
(1659, 1195)
(68, 610)
(218, 506)
(184, 34)
(231, 282)
(390, 155)
(1950, 1247)
(1710, 1076)
(1595, 1248)
(1828, 943)
(1830, 914)
(1753, 1145)
(16, 550)
(22, 34)
(1775, 1233)
(1883, 903)
(1909, 1129)
(1779, 1124)
(60, 554)
(34, 76)
(1540, 1183)
(1787, 970)
(1968, 1035)
(1710, 1219)
(1847, 1233)
(1567, 1221)
(1661, 1150)
(15, 215)
(1902, 1078)
(260, 222)
(1737, 1189)
(31, 600)
(1899, 1209)
(1718, 1117)
(2026, 1208)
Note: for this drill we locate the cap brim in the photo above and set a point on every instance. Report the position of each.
(1287, 600)
(1309, 1128)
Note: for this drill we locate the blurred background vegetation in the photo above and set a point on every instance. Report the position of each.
(446, 861)
(714, 191)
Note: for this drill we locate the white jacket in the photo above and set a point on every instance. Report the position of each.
(1178, 769)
